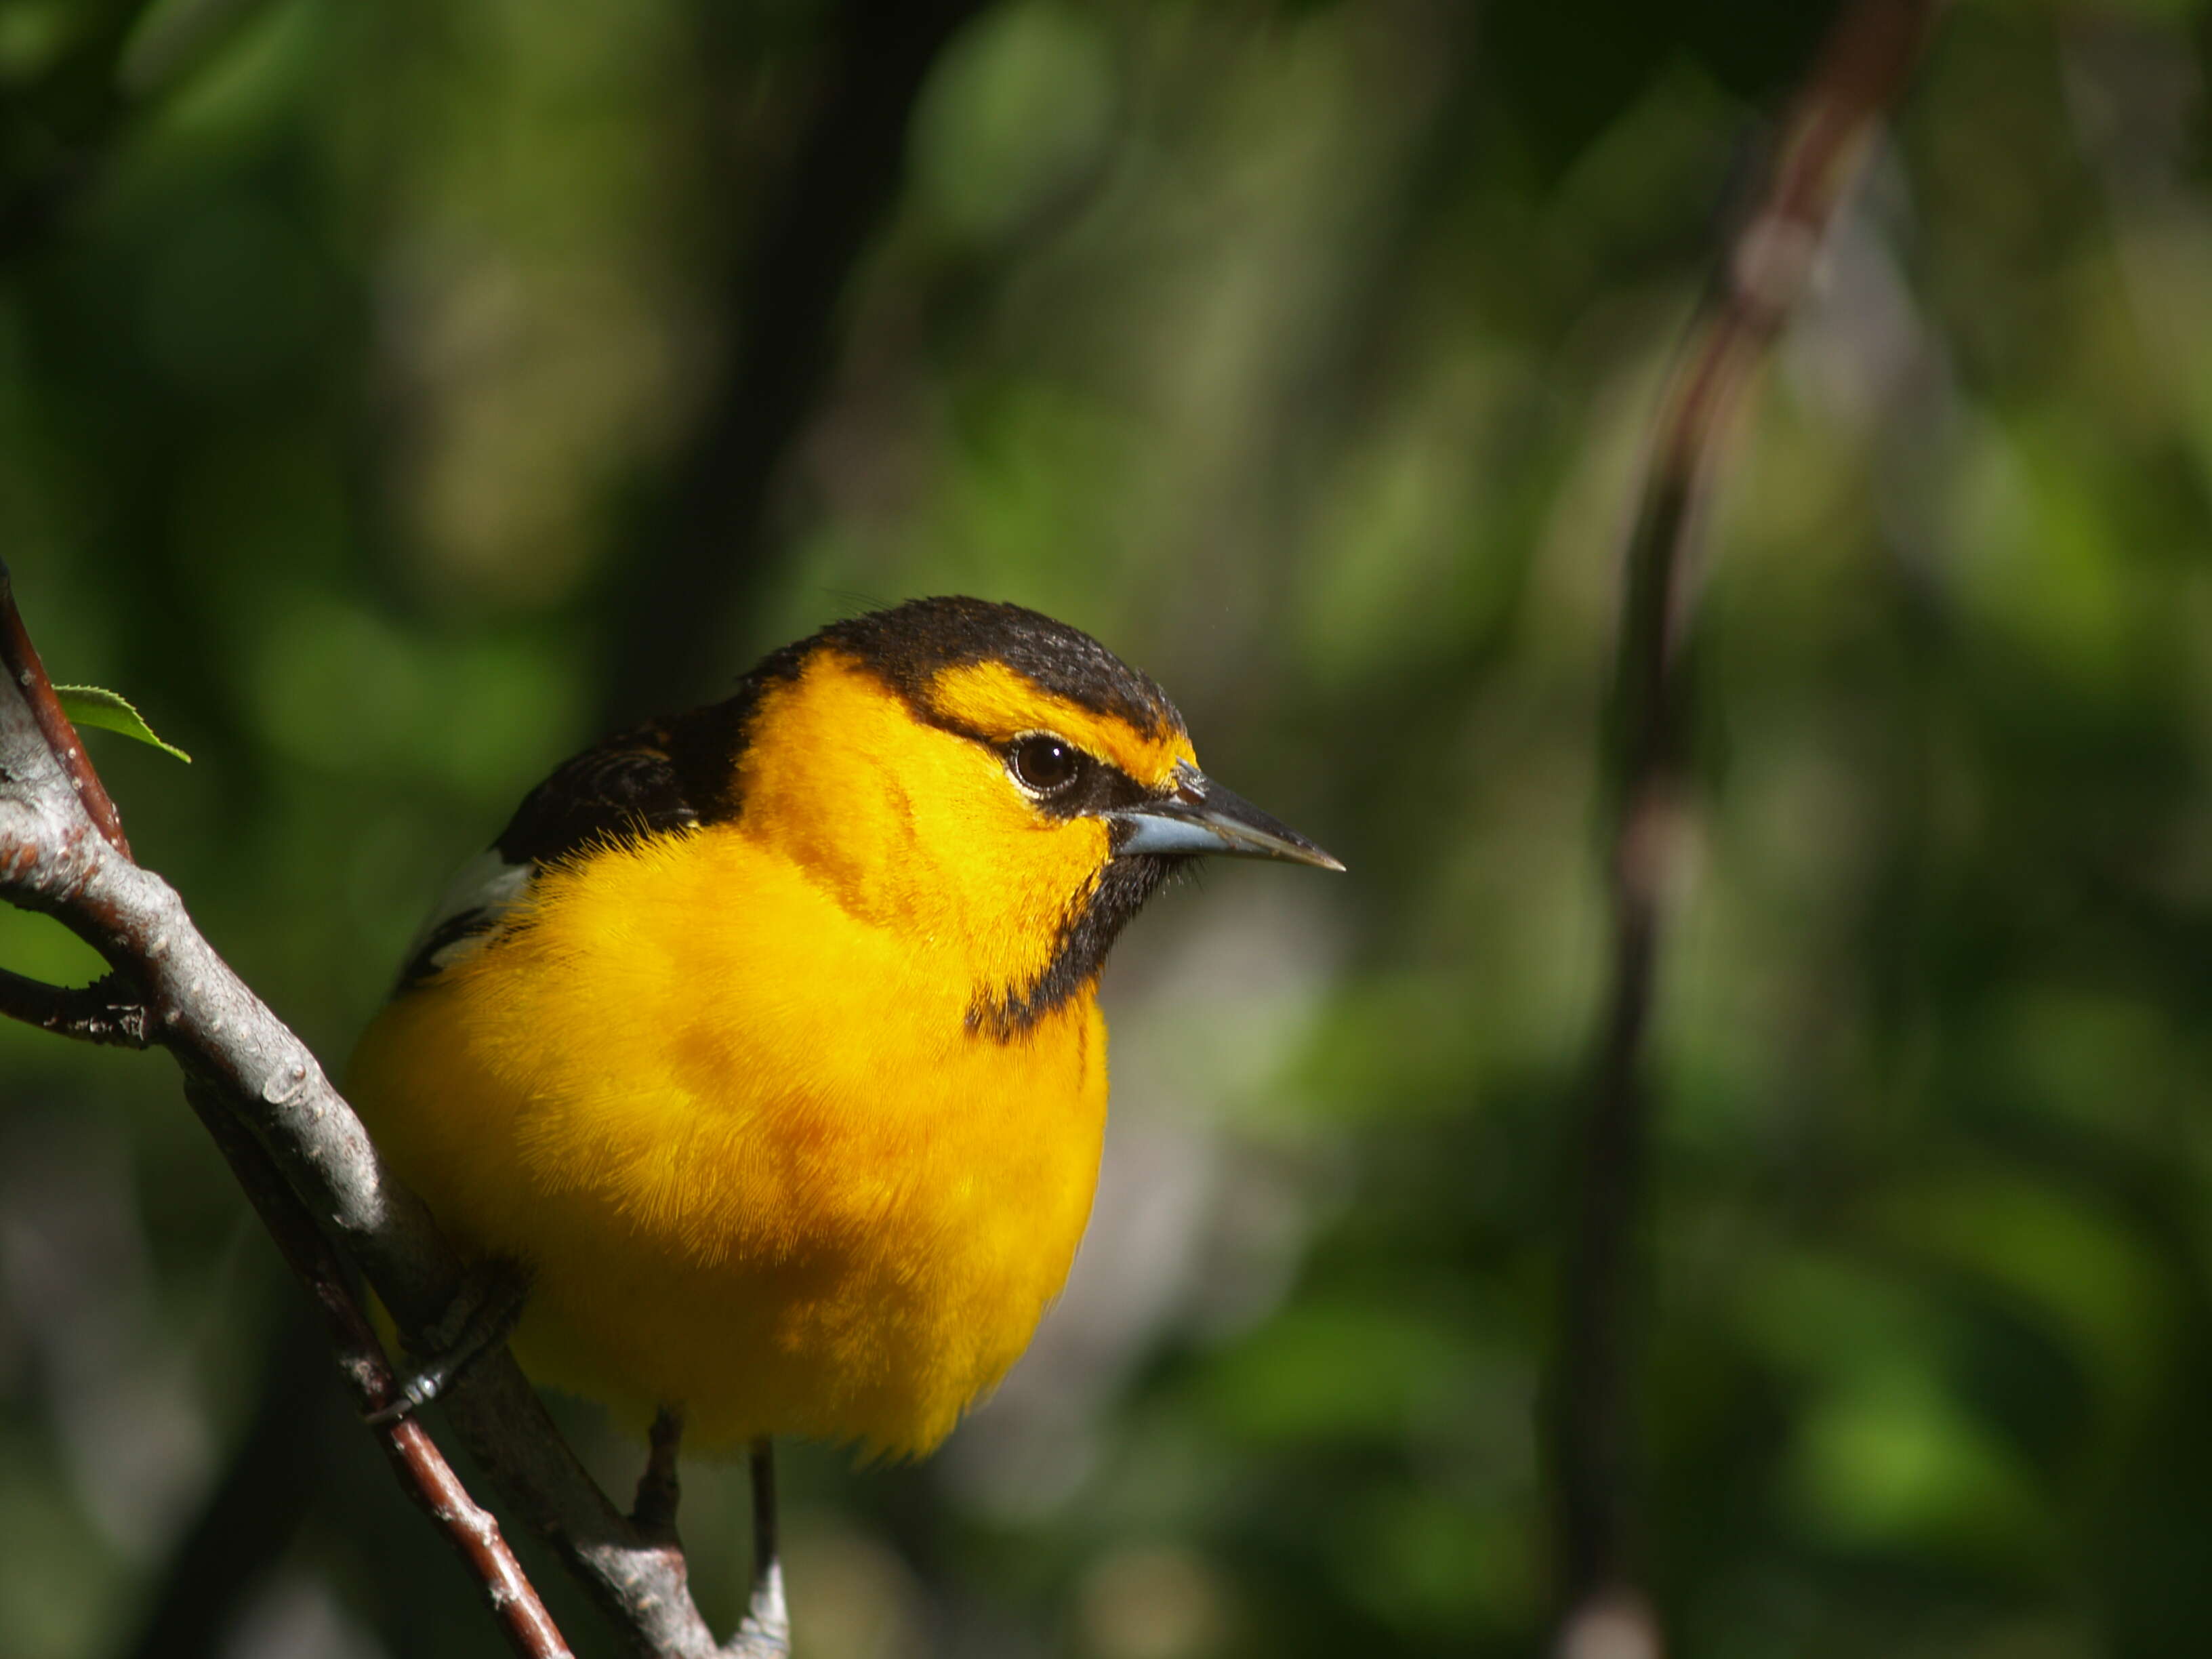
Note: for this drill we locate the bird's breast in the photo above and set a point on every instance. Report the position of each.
(758, 1160)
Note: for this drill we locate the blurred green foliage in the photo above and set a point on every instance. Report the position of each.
(356, 361)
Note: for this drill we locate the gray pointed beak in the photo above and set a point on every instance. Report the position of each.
(1201, 816)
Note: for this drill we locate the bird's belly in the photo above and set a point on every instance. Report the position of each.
(795, 1224)
(886, 1271)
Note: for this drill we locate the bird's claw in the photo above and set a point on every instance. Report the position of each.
(481, 1315)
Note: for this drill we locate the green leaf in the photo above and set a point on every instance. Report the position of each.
(93, 705)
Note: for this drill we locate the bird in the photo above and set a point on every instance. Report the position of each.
(763, 1047)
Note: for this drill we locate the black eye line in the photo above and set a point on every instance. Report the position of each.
(1098, 787)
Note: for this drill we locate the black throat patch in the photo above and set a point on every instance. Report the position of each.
(1085, 936)
(909, 646)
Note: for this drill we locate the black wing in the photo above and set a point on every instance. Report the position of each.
(614, 792)
(666, 776)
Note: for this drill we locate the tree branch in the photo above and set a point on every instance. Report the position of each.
(420, 1467)
(20, 659)
(1861, 70)
(309, 1168)
(104, 1012)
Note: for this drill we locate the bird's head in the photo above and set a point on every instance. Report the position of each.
(986, 781)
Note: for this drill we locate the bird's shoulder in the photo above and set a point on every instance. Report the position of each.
(660, 778)
(627, 786)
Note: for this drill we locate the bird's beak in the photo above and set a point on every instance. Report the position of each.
(1200, 816)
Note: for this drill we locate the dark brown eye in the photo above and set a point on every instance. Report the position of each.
(1045, 765)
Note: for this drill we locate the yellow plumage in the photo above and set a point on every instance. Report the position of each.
(733, 1092)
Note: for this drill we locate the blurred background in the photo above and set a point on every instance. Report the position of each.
(394, 399)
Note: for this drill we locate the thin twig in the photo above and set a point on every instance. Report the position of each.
(417, 1462)
(1861, 70)
(104, 1012)
(20, 659)
(53, 858)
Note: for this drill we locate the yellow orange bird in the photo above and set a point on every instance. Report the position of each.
(765, 1040)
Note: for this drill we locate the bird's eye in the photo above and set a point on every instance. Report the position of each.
(1044, 764)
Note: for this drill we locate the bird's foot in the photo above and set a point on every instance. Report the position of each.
(482, 1315)
(653, 1510)
(766, 1633)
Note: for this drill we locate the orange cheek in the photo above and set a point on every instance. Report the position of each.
(1020, 868)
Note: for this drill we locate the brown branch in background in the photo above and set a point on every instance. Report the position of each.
(260, 1087)
(784, 304)
(1861, 70)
